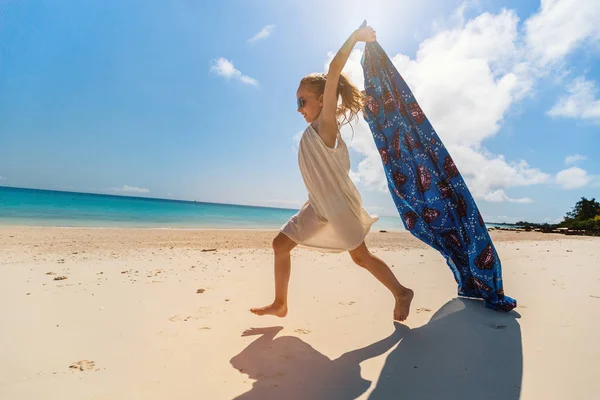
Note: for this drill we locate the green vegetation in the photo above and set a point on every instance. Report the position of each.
(585, 217)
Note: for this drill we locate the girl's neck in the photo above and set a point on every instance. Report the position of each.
(315, 124)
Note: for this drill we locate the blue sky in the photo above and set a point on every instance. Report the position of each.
(175, 99)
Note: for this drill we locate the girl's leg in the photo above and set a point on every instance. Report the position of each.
(363, 257)
(282, 246)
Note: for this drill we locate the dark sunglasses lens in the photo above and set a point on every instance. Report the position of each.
(300, 102)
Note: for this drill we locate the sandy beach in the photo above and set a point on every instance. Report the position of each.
(147, 314)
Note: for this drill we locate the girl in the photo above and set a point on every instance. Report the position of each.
(332, 220)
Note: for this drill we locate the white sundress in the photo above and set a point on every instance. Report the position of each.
(333, 219)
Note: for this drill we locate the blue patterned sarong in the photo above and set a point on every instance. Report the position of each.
(430, 194)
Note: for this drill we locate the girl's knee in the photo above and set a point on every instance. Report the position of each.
(361, 260)
(283, 244)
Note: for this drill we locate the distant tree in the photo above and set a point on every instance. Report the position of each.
(584, 209)
(584, 217)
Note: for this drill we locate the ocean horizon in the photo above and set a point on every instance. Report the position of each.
(56, 208)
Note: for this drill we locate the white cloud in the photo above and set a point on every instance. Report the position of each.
(487, 77)
(296, 141)
(552, 34)
(354, 177)
(560, 26)
(580, 103)
(371, 174)
(249, 81)
(573, 178)
(468, 76)
(263, 34)
(130, 189)
(499, 196)
(487, 173)
(574, 158)
(226, 69)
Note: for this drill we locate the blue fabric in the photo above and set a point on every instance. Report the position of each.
(430, 194)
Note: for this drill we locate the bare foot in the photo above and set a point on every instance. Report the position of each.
(402, 307)
(279, 310)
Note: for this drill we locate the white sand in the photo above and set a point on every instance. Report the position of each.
(130, 313)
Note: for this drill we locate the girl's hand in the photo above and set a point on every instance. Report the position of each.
(366, 34)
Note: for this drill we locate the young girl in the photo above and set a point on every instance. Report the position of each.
(332, 220)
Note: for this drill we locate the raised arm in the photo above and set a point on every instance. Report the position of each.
(328, 125)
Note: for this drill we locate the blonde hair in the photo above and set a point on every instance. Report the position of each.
(352, 98)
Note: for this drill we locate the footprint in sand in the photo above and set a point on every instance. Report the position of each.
(83, 365)
(184, 318)
(155, 272)
(187, 317)
(302, 331)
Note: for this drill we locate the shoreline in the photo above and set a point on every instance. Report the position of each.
(33, 242)
(251, 225)
(181, 228)
(6, 227)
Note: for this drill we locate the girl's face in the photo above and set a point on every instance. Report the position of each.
(309, 104)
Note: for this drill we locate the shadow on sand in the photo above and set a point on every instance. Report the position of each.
(465, 350)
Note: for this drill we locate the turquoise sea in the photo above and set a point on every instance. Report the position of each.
(33, 207)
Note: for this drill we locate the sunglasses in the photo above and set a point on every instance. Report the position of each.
(300, 102)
